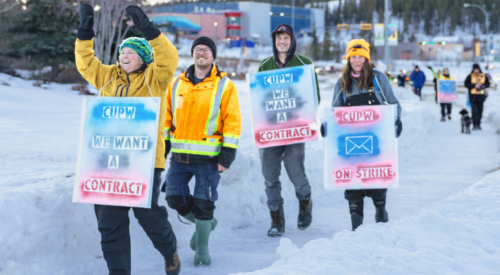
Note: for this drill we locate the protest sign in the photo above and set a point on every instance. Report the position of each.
(361, 148)
(447, 91)
(117, 151)
(284, 104)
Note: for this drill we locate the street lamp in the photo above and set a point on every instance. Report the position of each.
(467, 5)
(215, 24)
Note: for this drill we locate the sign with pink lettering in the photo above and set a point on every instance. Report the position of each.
(284, 106)
(116, 158)
(361, 149)
(447, 91)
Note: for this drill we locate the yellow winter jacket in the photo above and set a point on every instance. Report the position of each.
(118, 83)
(203, 121)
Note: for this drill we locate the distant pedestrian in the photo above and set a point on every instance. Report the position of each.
(401, 79)
(418, 78)
(445, 107)
(477, 82)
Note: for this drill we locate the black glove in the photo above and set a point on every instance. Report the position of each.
(430, 68)
(85, 31)
(399, 126)
(168, 146)
(322, 130)
(141, 22)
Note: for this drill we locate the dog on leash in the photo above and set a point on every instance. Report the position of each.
(465, 121)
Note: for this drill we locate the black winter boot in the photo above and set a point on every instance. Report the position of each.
(277, 223)
(356, 209)
(173, 264)
(381, 214)
(305, 213)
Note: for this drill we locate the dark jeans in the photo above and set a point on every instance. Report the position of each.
(293, 157)
(446, 106)
(477, 112)
(205, 190)
(418, 91)
(113, 223)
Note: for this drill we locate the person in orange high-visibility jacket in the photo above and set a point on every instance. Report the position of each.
(202, 128)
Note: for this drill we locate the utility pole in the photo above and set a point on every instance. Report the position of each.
(293, 15)
(386, 32)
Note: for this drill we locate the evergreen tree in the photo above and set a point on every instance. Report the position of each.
(45, 34)
(327, 45)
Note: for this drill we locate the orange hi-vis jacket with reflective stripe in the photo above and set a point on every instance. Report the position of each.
(203, 121)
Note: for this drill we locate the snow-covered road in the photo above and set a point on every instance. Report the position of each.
(42, 232)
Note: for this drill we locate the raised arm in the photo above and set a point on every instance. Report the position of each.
(87, 64)
(164, 52)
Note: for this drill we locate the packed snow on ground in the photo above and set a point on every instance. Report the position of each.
(440, 222)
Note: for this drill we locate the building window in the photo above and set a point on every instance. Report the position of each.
(234, 33)
(233, 20)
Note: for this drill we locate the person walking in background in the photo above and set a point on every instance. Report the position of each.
(401, 79)
(476, 83)
(143, 77)
(445, 107)
(202, 127)
(293, 155)
(418, 78)
(356, 87)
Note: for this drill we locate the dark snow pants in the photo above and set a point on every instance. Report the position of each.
(477, 112)
(445, 107)
(418, 91)
(293, 157)
(202, 203)
(355, 198)
(113, 223)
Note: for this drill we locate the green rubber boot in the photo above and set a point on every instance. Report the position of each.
(190, 217)
(203, 229)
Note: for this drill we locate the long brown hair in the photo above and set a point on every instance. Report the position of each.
(365, 80)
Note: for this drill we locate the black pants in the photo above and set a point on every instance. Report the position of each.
(418, 91)
(477, 112)
(445, 107)
(113, 223)
(355, 198)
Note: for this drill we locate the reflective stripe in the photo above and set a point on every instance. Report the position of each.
(230, 142)
(213, 116)
(174, 102)
(195, 148)
(167, 133)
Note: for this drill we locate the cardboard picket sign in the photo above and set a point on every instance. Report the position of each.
(361, 149)
(116, 157)
(284, 106)
(447, 91)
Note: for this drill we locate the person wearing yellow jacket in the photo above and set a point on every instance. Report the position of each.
(146, 68)
(202, 127)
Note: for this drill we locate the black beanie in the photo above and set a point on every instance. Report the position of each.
(203, 40)
(416, 67)
(476, 66)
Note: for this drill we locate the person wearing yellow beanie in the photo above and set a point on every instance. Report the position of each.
(360, 85)
(358, 47)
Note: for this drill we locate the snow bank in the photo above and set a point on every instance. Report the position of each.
(457, 236)
(43, 232)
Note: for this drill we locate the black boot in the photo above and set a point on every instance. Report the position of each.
(381, 214)
(356, 209)
(305, 213)
(173, 264)
(277, 223)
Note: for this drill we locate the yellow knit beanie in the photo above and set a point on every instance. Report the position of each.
(358, 47)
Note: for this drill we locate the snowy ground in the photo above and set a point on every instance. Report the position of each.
(442, 220)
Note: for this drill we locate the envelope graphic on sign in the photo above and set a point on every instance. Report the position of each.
(360, 145)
